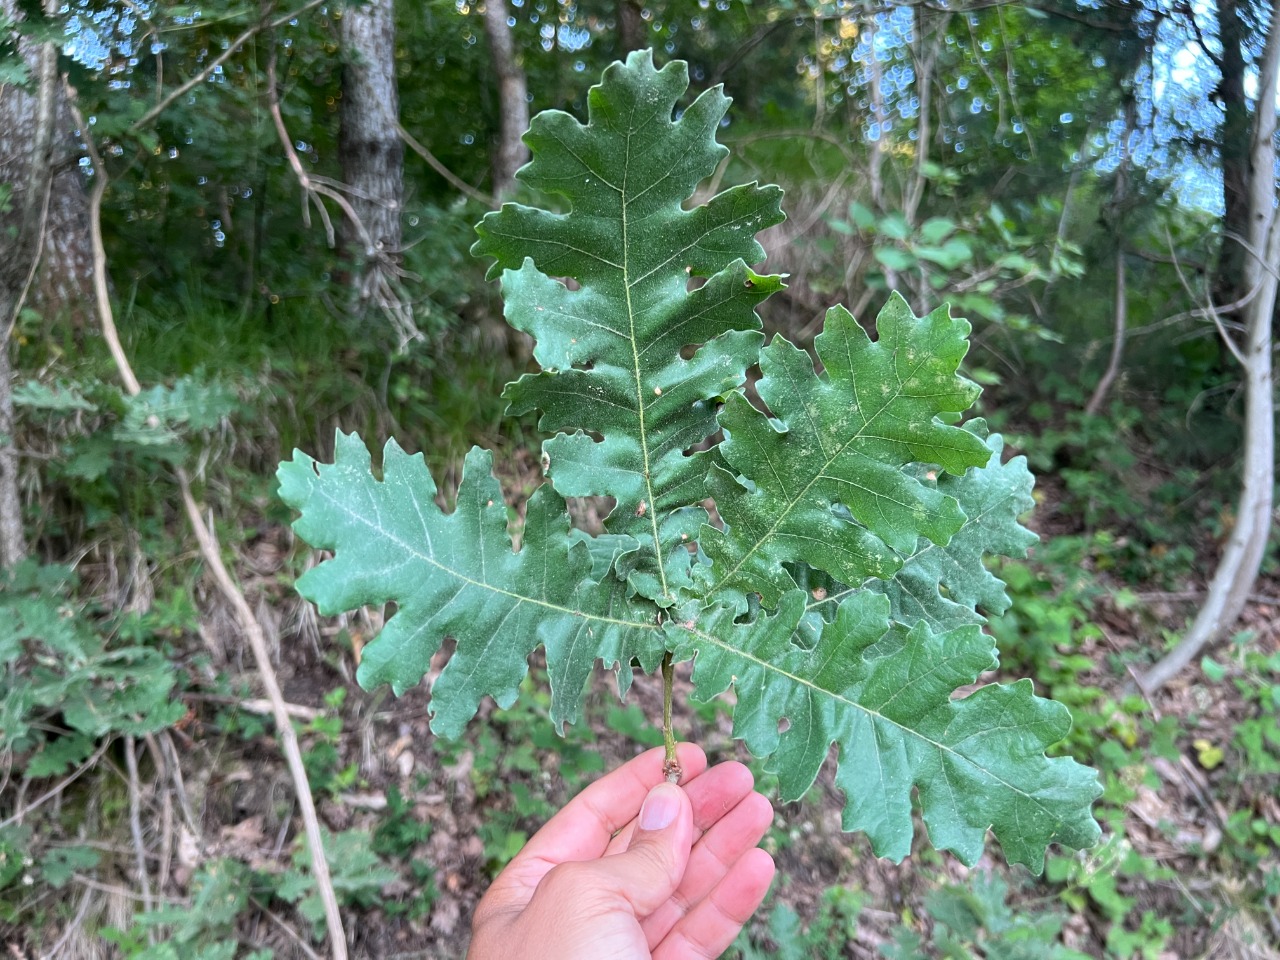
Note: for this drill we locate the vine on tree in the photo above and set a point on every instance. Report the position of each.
(837, 588)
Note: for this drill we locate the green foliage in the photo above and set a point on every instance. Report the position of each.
(971, 262)
(975, 920)
(204, 929)
(826, 938)
(65, 685)
(1127, 483)
(358, 875)
(1257, 736)
(1048, 632)
(829, 480)
(107, 446)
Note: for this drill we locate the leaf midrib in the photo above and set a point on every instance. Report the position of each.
(801, 681)
(482, 584)
(866, 425)
(650, 504)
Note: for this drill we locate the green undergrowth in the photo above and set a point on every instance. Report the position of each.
(1053, 632)
(1149, 480)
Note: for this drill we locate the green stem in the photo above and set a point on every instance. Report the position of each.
(671, 766)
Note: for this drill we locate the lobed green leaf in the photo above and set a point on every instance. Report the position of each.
(610, 350)
(883, 694)
(851, 481)
(456, 575)
(823, 480)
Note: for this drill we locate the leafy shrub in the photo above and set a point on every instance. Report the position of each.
(65, 686)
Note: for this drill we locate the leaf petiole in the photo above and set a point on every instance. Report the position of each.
(671, 766)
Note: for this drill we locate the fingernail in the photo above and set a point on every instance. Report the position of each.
(660, 807)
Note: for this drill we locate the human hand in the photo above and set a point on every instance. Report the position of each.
(610, 879)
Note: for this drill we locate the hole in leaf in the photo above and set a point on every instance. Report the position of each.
(688, 350)
(713, 515)
(439, 660)
(784, 724)
(588, 513)
(705, 444)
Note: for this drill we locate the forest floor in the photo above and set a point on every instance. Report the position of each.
(467, 806)
(1188, 867)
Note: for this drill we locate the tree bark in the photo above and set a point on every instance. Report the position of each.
(630, 27)
(26, 141)
(39, 156)
(1238, 568)
(1233, 148)
(924, 56)
(369, 145)
(510, 152)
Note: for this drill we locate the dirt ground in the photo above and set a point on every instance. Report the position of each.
(480, 796)
(1177, 824)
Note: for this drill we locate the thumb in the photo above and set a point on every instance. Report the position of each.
(651, 868)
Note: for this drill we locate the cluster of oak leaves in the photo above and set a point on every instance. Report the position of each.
(840, 583)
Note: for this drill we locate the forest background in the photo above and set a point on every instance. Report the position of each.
(229, 229)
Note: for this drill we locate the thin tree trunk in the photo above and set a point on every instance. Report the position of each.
(369, 145)
(630, 27)
(875, 176)
(875, 159)
(26, 140)
(1234, 149)
(510, 152)
(1119, 196)
(1119, 334)
(1238, 568)
(924, 56)
(13, 537)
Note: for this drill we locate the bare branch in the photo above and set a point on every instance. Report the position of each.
(450, 177)
(147, 118)
(135, 828)
(1210, 311)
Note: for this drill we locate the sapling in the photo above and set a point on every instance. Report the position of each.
(837, 584)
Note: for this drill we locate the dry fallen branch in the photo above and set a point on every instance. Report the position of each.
(450, 177)
(212, 555)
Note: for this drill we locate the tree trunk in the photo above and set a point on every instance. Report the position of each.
(1116, 218)
(630, 27)
(369, 146)
(26, 141)
(1238, 568)
(510, 152)
(39, 160)
(1119, 334)
(1234, 148)
(924, 56)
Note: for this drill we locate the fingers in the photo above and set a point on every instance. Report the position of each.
(708, 929)
(712, 795)
(716, 856)
(583, 829)
(647, 873)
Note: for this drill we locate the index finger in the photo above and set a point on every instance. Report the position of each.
(582, 830)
